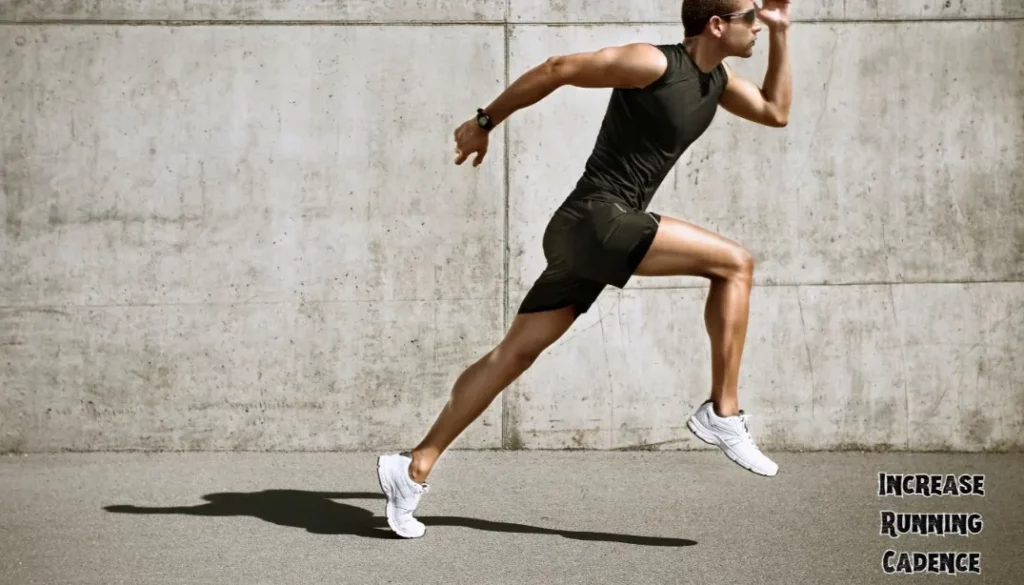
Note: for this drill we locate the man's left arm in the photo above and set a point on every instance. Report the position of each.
(769, 104)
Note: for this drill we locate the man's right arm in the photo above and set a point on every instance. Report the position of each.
(634, 65)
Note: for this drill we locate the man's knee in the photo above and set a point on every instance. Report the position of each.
(743, 264)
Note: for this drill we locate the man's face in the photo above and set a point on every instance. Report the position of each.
(741, 28)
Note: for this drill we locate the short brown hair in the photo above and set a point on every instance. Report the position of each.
(697, 13)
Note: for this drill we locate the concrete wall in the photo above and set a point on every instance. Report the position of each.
(234, 225)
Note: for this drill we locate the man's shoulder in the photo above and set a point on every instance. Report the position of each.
(670, 49)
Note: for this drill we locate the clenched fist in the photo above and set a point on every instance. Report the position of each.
(775, 14)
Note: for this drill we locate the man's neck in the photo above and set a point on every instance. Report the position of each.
(702, 55)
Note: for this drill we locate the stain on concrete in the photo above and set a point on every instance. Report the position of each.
(862, 446)
(15, 181)
(513, 440)
(978, 426)
(11, 442)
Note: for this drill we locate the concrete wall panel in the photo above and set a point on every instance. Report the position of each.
(239, 10)
(880, 367)
(310, 376)
(932, 9)
(900, 162)
(626, 11)
(962, 350)
(170, 195)
(204, 164)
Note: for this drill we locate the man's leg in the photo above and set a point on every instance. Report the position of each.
(683, 249)
(475, 389)
(402, 476)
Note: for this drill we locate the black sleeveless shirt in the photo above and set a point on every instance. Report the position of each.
(645, 131)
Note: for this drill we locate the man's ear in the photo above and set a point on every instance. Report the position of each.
(717, 26)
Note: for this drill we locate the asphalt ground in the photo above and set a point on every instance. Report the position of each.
(493, 517)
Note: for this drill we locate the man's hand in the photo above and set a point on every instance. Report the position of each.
(470, 138)
(775, 14)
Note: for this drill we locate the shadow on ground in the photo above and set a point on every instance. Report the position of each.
(318, 513)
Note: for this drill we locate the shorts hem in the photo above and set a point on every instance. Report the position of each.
(578, 308)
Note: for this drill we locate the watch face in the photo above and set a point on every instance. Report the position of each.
(481, 119)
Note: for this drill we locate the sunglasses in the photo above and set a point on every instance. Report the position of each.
(748, 16)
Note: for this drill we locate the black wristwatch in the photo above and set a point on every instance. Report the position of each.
(484, 120)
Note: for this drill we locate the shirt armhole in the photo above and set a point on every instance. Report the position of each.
(672, 59)
(726, 71)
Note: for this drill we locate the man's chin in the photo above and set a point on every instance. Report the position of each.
(743, 52)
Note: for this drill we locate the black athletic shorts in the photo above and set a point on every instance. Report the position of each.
(589, 243)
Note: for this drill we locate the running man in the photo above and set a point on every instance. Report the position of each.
(664, 97)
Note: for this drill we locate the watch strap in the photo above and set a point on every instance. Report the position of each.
(483, 119)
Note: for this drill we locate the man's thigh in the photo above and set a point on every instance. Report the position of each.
(681, 248)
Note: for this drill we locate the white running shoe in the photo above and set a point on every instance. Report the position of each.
(402, 493)
(731, 435)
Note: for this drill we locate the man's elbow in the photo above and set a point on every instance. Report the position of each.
(778, 118)
(773, 114)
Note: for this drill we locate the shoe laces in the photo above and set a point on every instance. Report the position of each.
(746, 432)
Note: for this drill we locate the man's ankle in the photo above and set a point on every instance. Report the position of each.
(725, 410)
(418, 469)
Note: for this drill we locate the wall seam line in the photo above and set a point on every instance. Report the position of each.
(505, 243)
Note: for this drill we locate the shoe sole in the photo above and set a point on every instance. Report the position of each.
(702, 433)
(389, 510)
